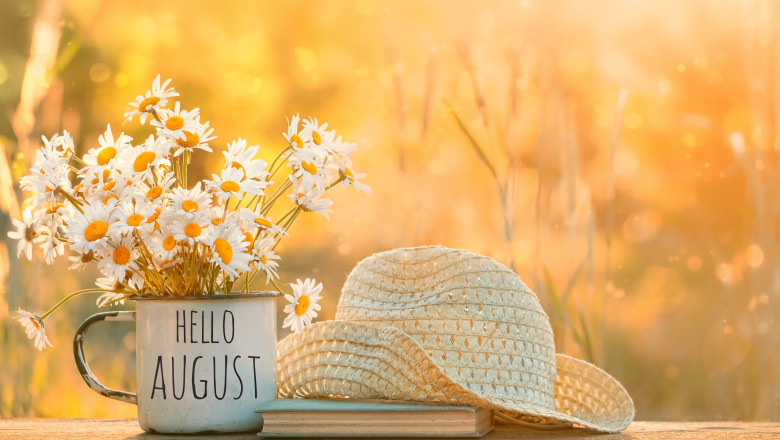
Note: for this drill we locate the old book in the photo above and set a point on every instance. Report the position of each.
(355, 418)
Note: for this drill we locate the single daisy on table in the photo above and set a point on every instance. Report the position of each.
(33, 326)
(198, 138)
(119, 257)
(189, 201)
(90, 231)
(231, 182)
(229, 250)
(303, 305)
(173, 123)
(151, 102)
(190, 228)
(25, 232)
(266, 259)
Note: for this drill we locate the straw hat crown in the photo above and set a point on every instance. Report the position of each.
(474, 317)
(433, 324)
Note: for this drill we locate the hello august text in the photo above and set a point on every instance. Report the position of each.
(201, 327)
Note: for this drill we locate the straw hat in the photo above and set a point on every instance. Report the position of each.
(433, 324)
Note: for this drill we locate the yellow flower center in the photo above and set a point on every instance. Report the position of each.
(174, 123)
(192, 230)
(135, 219)
(121, 255)
(217, 221)
(105, 155)
(192, 140)
(238, 166)
(54, 207)
(248, 237)
(189, 206)
(229, 186)
(153, 218)
(295, 139)
(144, 105)
(35, 323)
(108, 198)
(260, 221)
(316, 137)
(263, 259)
(303, 305)
(109, 186)
(154, 192)
(309, 167)
(142, 161)
(224, 250)
(169, 243)
(96, 230)
(348, 173)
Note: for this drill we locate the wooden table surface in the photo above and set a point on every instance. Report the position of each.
(109, 429)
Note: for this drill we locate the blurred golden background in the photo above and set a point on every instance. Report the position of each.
(621, 156)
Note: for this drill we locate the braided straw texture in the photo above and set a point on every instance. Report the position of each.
(443, 325)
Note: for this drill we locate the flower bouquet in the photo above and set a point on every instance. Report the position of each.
(130, 208)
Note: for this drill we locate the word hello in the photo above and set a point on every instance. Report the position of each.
(206, 324)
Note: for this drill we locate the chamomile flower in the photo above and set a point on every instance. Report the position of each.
(292, 136)
(144, 159)
(266, 259)
(241, 157)
(173, 123)
(33, 326)
(229, 250)
(25, 232)
(154, 99)
(111, 298)
(47, 178)
(265, 224)
(51, 243)
(156, 190)
(309, 167)
(198, 138)
(131, 217)
(318, 135)
(78, 261)
(190, 228)
(310, 199)
(188, 201)
(90, 231)
(98, 159)
(351, 178)
(231, 182)
(119, 257)
(164, 245)
(303, 305)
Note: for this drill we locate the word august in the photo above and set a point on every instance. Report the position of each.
(224, 372)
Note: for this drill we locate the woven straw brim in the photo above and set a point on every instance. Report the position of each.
(347, 359)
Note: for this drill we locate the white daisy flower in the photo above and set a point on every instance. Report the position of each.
(158, 189)
(351, 178)
(51, 244)
(25, 232)
(63, 144)
(131, 217)
(188, 201)
(303, 305)
(33, 326)
(228, 250)
(153, 101)
(78, 261)
(163, 245)
(145, 158)
(265, 224)
(241, 157)
(266, 259)
(189, 228)
(310, 199)
(119, 258)
(309, 167)
(292, 136)
(173, 123)
(318, 135)
(111, 298)
(98, 159)
(89, 231)
(197, 139)
(231, 182)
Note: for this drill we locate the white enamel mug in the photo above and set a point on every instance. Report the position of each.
(203, 363)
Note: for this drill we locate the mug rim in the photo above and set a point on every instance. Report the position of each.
(261, 294)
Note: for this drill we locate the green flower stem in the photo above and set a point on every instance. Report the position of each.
(76, 204)
(64, 300)
(279, 192)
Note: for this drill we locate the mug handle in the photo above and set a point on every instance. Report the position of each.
(81, 360)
